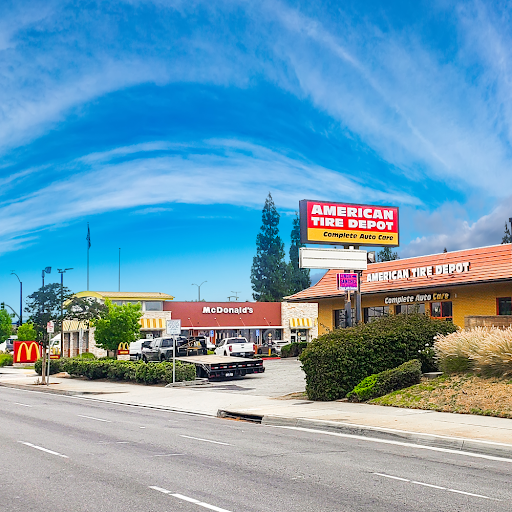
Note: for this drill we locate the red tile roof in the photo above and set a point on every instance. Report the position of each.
(486, 264)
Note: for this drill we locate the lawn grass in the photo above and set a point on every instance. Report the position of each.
(462, 393)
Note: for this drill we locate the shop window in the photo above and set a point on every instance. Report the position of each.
(409, 309)
(339, 318)
(441, 310)
(153, 306)
(505, 306)
(371, 314)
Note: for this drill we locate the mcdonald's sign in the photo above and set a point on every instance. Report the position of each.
(123, 349)
(26, 351)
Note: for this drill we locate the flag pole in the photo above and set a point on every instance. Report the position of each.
(88, 247)
(119, 282)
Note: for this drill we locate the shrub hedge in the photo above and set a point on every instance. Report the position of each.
(54, 366)
(136, 371)
(6, 360)
(293, 349)
(380, 384)
(335, 362)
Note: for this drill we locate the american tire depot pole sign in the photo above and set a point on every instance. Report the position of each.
(324, 222)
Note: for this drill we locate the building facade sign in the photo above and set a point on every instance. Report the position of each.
(419, 297)
(343, 223)
(408, 273)
(229, 311)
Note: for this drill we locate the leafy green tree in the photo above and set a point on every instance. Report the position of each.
(268, 272)
(5, 325)
(507, 237)
(117, 324)
(27, 332)
(298, 278)
(43, 306)
(387, 255)
(84, 309)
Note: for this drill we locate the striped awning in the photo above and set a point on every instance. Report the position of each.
(74, 325)
(152, 323)
(307, 323)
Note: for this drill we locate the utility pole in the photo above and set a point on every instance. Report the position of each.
(62, 272)
(119, 281)
(21, 296)
(199, 290)
(236, 295)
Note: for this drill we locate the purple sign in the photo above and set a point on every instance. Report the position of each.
(347, 282)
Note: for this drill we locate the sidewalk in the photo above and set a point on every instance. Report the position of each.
(481, 434)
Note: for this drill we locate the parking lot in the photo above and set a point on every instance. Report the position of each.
(281, 377)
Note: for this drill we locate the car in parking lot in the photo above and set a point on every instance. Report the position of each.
(237, 346)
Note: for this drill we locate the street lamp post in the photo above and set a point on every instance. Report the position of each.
(62, 272)
(199, 290)
(21, 296)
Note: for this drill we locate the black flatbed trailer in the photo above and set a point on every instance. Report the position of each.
(221, 367)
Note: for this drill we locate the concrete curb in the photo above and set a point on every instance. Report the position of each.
(481, 447)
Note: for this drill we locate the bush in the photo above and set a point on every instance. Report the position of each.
(138, 371)
(335, 362)
(55, 366)
(86, 355)
(6, 360)
(484, 349)
(293, 349)
(380, 384)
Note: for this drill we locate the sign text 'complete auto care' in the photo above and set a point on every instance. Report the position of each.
(344, 224)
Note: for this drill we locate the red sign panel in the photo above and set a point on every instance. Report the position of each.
(26, 351)
(343, 224)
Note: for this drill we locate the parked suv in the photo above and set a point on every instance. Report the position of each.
(158, 349)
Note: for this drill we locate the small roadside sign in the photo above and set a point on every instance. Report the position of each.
(347, 282)
(50, 327)
(173, 327)
(212, 334)
(257, 332)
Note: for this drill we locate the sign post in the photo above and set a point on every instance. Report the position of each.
(50, 328)
(173, 327)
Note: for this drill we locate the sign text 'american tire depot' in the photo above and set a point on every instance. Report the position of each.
(344, 224)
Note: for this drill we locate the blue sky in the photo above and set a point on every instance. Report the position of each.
(165, 124)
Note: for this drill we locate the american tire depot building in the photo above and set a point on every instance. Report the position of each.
(449, 286)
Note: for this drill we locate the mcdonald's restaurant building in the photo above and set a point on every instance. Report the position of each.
(470, 287)
(259, 322)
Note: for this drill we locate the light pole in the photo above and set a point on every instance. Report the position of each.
(62, 272)
(199, 290)
(21, 296)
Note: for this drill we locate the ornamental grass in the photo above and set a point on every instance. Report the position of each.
(487, 350)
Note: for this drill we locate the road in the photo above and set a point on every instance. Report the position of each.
(63, 453)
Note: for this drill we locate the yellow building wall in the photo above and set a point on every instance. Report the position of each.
(478, 299)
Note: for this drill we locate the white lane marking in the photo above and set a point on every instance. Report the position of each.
(43, 449)
(396, 443)
(159, 489)
(205, 440)
(122, 442)
(169, 455)
(24, 405)
(437, 487)
(190, 500)
(93, 418)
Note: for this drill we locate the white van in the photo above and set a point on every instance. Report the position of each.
(136, 349)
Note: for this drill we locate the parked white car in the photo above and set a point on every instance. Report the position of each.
(235, 347)
(136, 349)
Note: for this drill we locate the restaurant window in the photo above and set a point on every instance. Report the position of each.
(339, 318)
(153, 305)
(505, 306)
(409, 309)
(441, 310)
(371, 314)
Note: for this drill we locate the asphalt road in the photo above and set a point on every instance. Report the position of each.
(67, 454)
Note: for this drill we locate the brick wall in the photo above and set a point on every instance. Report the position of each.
(299, 310)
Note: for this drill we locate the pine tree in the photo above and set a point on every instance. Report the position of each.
(268, 272)
(507, 237)
(387, 255)
(298, 278)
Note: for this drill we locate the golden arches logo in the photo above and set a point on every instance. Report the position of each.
(30, 349)
(123, 349)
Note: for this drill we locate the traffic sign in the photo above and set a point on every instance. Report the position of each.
(173, 327)
(212, 334)
(257, 332)
(50, 327)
